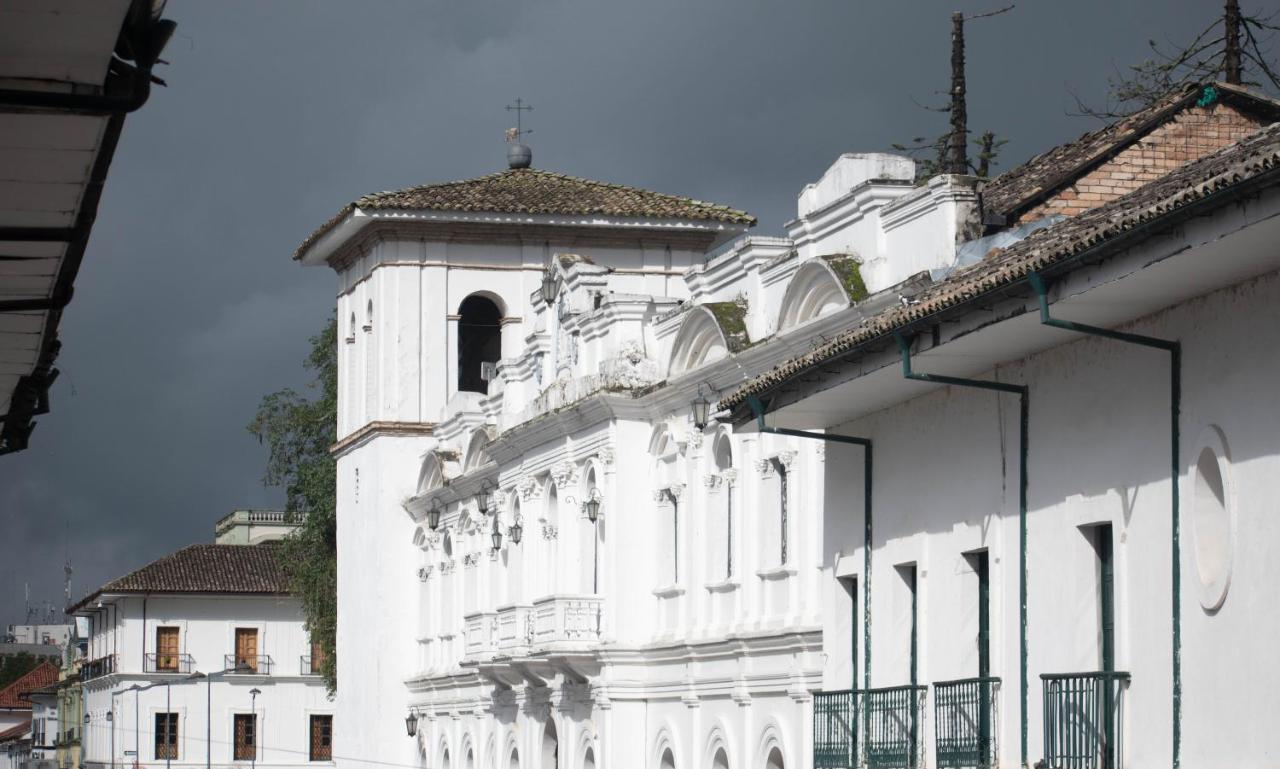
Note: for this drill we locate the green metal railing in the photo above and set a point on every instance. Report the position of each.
(835, 730)
(965, 723)
(1082, 723)
(895, 727)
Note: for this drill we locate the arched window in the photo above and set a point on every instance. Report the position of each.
(550, 746)
(351, 330)
(721, 760)
(773, 541)
(667, 477)
(775, 760)
(590, 567)
(479, 341)
(668, 760)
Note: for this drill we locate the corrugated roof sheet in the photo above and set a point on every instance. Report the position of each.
(204, 569)
(533, 191)
(1229, 167)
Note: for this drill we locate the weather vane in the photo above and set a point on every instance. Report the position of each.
(514, 134)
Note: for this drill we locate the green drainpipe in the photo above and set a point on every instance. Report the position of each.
(904, 347)
(1174, 349)
(757, 408)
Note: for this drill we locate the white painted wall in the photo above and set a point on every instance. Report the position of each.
(207, 627)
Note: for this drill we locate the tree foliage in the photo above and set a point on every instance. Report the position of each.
(15, 666)
(298, 432)
(1235, 47)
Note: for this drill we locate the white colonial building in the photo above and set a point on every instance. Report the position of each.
(201, 658)
(554, 551)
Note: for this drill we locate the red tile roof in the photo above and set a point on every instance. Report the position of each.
(38, 677)
(532, 191)
(16, 732)
(253, 569)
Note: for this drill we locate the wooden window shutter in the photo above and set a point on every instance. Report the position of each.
(167, 648)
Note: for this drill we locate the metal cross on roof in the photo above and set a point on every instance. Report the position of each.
(513, 135)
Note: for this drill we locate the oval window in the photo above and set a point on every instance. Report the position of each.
(1212, 521)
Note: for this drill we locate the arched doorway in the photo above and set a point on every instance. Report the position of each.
(668, 760)
(479, 341)
(721, 760)
(550, 746)
(775, 760)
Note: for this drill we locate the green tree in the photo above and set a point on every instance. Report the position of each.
(298, 432)
(15, 666)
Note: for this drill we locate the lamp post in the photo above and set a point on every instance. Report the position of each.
(253, 708)
(208, 706)
(111, 719)
(592, 508)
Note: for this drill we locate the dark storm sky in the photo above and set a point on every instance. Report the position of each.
(189, 309)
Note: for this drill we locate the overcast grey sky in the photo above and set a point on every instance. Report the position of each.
(188, 308)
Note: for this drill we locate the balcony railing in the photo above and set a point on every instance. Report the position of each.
(515, 628)
(309, 666)
(1082, 719)
(894, 727)
(566, 619)
(260, 664)
(835, 730)
(481, 634)
(964, 723)
(102, 666)
(169, 663)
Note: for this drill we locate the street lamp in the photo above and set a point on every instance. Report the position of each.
(433, 516)
(592, 506)
(550, 286)
(253, 708)
(701, 411)
(240, 667)
(411, 723)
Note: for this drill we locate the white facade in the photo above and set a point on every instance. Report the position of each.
(683, 627)
(123, 638)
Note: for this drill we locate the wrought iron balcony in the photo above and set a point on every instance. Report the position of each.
(895, 727)
(309, 666)
(1082, 719)
(835, 730)
(102, 666)
(169, 663)
(259, 664)
(965, 723)
(567, 619)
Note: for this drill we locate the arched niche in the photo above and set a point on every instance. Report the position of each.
(438, 467)
(708, 333)
(478, 449)
(820, 287)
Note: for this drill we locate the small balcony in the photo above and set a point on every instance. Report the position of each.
(251, 664)
(515, 628)
(964, 723)
(895, 727)
(1083, 719)
(480, 630)
(309, 665)
(835, 730)
(572, 620)
(169, 663)
(97, 668)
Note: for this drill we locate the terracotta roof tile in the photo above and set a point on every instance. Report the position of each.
(1227, 168)
(38, 677)
(15, 732)
(534, 191)
(204, 569)
(1017, 189)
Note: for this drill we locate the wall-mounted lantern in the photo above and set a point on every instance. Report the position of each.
(550, 286)
(515, 530)
(592, 506)
(433, 516)
(496, 536)
(411, 723)
(701, 411)
(484, 498)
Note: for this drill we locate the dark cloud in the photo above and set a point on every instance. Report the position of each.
(189, 309)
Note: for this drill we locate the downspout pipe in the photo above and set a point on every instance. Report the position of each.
(757, 408)
(1174, 348)
(1024, 410)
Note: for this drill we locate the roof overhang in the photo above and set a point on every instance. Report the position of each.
(354, 220)
(1196, 256)
(69, 73)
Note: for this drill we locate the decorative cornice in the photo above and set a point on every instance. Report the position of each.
(378, 429)
(564, 474)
